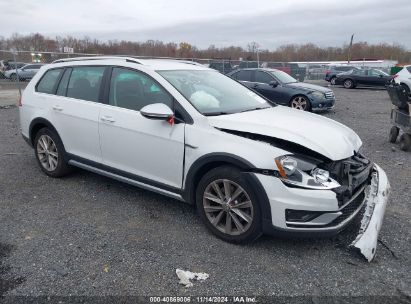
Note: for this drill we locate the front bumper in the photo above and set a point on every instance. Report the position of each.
(322, 104)
(374, 199)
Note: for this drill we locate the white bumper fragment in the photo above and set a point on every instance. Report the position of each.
(376, 198)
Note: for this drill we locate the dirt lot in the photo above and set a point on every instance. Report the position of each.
(90, 235)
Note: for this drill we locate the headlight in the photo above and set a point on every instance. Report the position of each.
(299, 172)
(318, 95)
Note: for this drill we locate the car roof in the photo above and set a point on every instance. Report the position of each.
(153, 64)
(257, 69)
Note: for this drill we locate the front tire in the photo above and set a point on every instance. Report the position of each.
(50, 153)
(348, 84)
(332, 80)
(300, 102)
(228, 206)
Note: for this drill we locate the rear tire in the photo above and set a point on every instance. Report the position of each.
(405, 142)
(50, 153)
(393, 134)
(348, 84)
(13, 77)
(217, 195)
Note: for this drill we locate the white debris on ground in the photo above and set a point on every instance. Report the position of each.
(376, 201)
(185, 276)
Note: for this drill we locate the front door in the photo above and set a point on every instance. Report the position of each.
(150, 151)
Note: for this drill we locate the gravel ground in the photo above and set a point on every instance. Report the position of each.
(90, 235)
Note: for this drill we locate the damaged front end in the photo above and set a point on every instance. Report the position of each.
(376, 197)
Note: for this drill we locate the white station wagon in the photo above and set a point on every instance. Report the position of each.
(191, 133)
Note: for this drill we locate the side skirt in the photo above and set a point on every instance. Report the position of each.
(125, 179)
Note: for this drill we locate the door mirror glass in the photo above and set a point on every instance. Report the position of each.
(274, 83)
(158, 111)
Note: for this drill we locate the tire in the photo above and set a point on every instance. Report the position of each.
(235, 225)
(300, 102)
(13, 77)
(406, 88)
(348, 84)
(50, 153)
(405, 142)
(393, 134)
(332, 80)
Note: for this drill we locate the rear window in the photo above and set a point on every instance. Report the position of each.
(85, 83)
(48, 81)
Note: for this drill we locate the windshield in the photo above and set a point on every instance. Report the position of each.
(382, 72)
(283, 77)
(212, 93)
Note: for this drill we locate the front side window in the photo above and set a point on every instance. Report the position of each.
(49, 81)
(212, 93)
(85, 83)
(133, 90)
(263, 77)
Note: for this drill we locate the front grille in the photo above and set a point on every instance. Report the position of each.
(329, 95)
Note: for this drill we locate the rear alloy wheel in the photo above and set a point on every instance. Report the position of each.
(332, 80)
(393, 134)
(405, 142)
(348, 84)
(300, 103)
(50, 153)
(228, 206)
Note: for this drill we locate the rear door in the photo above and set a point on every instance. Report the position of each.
(149, 151)
(244, 76)
(76, 110)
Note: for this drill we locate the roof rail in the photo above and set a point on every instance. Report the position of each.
(128, 59)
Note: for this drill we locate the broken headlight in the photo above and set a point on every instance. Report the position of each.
(299, 172)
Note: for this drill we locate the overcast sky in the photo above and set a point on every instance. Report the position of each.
(219, 22)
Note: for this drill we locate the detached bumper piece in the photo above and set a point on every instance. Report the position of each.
(376, 197)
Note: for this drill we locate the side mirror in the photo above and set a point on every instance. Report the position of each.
(157, 111)
(274, 83)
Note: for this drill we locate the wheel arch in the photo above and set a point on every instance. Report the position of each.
(213, 160)
(36, 125)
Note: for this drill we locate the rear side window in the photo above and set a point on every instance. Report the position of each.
(244, 75)
(409, 68)
(48, 81)
(62, 89)
(85, 83)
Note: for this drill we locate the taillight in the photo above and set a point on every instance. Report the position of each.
(19, 102)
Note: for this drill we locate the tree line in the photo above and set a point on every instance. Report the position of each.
(37, 42)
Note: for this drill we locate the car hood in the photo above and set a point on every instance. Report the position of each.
(322, 135)
(307, 86)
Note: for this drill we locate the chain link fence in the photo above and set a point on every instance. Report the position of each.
(18, 67)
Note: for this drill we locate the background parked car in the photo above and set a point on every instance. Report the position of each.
(292, 69)
(370, 77)
(24, 73)
(334, 70)
(222, 66)
(282, 88)
(403, 78)
(6, 65)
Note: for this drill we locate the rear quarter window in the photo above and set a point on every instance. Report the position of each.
(48, 82)
(409, 68)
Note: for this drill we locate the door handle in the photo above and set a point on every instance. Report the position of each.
(107, 119)
(57, 108)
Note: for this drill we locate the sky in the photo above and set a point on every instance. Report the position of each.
(270, 23)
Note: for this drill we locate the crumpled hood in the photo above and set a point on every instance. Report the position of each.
(322, 135)
(308, 86)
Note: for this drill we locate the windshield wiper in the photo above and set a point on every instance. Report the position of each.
(216, 113)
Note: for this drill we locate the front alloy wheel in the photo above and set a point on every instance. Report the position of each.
(348, 84)
(332, 81)
(300, 103)
(228, 207)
